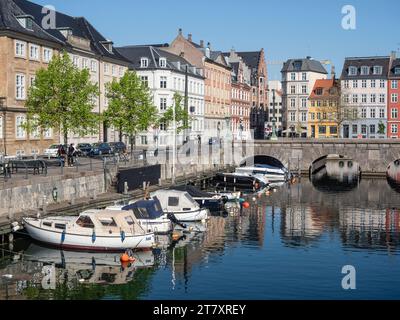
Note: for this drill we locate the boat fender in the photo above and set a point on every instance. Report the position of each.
(122, 236)
(63, 236)
(246, 205)
(93, 236)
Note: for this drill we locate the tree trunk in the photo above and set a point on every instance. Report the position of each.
(131, 138)
(65, 136)
(120, 134)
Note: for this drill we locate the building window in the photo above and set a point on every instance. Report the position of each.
(363, 113)
(394, 128)
(377, 70)
(304, 89)
(144, 62)
(322, 129)
(75, 61)
(106, 68)
(144, 140)
(20, 86)
(304, 76)
(364, 70)
(163, 63)
(382, 84)
(163, 82)
(1, 127)
(93, 66)
(397, 70)
(394, 84)
(292, 116)
(346, 84)
(85, 63)
(304, 102)
(32, 80)
(353, 71)
(292, 89)
(145, 80)
(363, 129)
(354, 129)
(372, 129)
(304, 116)
(364, 83)
(355, 98)
(312, 115)
(163, 104)
(47, 54)
(333, 130)
(355, 84)
(372, 113)
(47, 133)
(363, 98)
(382, 113)
(163, 126)
(293, 103)
(293, 76)
(121, 71)
(382, 98)
(346, 98)
(373, 83)
(394, 113)
(34, 52)
(394, 97)
(20, 131)
(318, 115)
(20, 49)
(373, 98)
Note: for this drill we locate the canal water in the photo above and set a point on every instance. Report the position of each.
(291, 244)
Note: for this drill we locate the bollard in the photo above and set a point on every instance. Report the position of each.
(159, 182)
(126, 187)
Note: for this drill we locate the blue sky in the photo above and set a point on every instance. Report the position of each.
(285, 28)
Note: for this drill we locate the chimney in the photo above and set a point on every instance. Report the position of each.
(180, 31)
(209, 45)
(232, 50)
(202, 43)
(333, 72)
(190, 37)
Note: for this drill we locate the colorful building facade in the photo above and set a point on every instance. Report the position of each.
(393, 112)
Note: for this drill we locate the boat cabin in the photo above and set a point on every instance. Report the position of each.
(175, 201)
(146, 209)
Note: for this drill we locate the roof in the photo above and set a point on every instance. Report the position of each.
(174, 62)
(395, 64)
(251, 58)
(79, 26)
(9, 10)
(303, 65)
(325, 85)
(370, 62)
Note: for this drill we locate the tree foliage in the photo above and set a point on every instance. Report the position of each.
(182, 117)
(130, 108)
(62, 97)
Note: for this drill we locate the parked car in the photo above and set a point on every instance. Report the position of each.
(84, 149)
(99, 149)
(118, 147)
(53, 150)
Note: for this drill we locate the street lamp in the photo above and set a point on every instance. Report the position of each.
(4, 108)
(273, 136)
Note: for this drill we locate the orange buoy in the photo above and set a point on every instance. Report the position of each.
(125, 258)
(246, 205)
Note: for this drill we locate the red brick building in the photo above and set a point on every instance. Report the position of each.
(393, 111)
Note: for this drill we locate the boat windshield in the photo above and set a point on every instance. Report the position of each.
(85, 222)
(108, 222)
(191, 200)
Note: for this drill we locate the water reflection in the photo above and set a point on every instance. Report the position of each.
(262, 239)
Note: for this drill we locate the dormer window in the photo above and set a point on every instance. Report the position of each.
(144, 63)
(397, 70)
(377, 70)
(66, 32)
(318, 91)
(26, 21)
(163, 63)
(353, 71)
(364, 70)
(108, 45)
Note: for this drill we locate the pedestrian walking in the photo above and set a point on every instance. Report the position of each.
(71, 152)
(61, 154)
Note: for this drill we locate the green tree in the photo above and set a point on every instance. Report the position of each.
(62, 97)
(182, 117)
(130, 107)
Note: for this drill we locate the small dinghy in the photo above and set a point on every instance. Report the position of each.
(181, 205)
(98, 230)
(149, 214)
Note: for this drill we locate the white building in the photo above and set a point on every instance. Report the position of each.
(298, 79)
(165, 74)
(275, 85)
(364, 94)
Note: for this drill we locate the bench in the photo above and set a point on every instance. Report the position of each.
(38, 166)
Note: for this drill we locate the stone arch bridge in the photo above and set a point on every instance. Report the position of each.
(373, 155)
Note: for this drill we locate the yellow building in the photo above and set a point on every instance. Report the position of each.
(323, 109)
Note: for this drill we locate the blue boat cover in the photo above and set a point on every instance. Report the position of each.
(146, 209)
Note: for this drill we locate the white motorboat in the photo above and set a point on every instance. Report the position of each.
(99, 230)
(181, 205)
(273, 174)
(149, 214)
